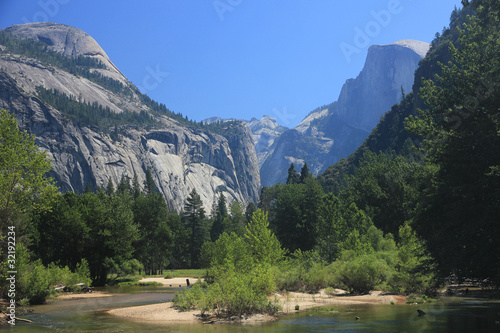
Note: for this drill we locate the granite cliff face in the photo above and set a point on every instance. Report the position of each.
(264, 131)
(180, 157)
(334, 131)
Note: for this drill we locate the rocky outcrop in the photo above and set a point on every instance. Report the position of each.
(264, 131)
(335, 131)
(180, 157)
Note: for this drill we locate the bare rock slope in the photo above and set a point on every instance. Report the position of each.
(181, 157)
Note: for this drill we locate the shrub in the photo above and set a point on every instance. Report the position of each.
(414, 268)
(32, 286)
(361, 274)
(303, 272)
(189, 299)
(330, 291)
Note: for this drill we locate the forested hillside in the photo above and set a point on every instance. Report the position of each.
(437, 163)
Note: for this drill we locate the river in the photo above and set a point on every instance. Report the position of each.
(449, 314)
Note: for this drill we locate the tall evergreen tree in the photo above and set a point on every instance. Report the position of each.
(124, 185)
(136, 188)
(149, 183)
(110, 188)
(249, 211)
(304, 173)
(194, 215)
(219, 218)
(293, 176)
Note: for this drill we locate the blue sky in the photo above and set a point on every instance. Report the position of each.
(240, 58)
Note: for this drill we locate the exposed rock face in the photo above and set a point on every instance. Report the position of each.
(264, 131)
(67, 40)
(335, 131)
(180, 158)
(387, 70)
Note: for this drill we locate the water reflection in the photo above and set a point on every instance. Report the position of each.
(447, 315)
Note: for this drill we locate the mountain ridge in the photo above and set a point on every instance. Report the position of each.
(180, 158)
(332, 132)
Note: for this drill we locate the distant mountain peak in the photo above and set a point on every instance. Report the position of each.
(61, 38)
(336, 130)
(419, 47)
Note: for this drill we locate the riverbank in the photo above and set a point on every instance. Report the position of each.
(165, 312)
(174, 282)
(73, 296)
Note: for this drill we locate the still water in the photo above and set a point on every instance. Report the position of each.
(447, 315)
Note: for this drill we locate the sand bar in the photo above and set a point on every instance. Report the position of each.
(165, 312)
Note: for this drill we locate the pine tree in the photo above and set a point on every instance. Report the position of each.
(149, 183)
(304, 173)
(194, 215)
(110, 188)
(293, 176)
(220, 215)
(136, 188)
(249, 211)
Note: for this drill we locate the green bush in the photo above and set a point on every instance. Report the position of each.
(303, 272)
(33, 285)
(36, 289)
(362, 274)
(189, 299)
(235, 295)
(330, 291)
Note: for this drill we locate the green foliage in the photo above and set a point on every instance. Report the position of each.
(460, 125)
(293, 175)
(228, 252)
(388, 189)
(97, 227)
(355, 246)
(189, 299)
(251, 208)
(156, 224)
(361, 274)
(220, 215)
(240, 275)
(264, 246)
(33, 284)
(389, 137)
(336, 221)
(236, 222)
(294, 213)
(414, 271)
(194, 219)
(64, 276)
(93, 114)
(235, 295)
(24, 186)
(303, 271)
(304, 173)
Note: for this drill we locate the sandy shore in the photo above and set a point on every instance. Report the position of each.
(307, 301)
(175, 282)
(165, 312)
(94, 294)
